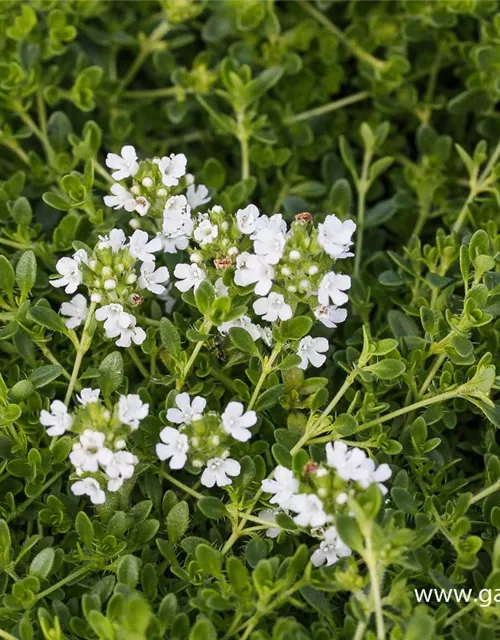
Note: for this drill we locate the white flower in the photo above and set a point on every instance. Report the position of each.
(75, 310)
(131, 410)
(309, 509)
(69, 269)
(114, 317)
(350, 464)
(142, 248)
(171, 168)
(252, 269)
(197, 195)
(177, 224)
(381, 474)
(335, 236)
(142, 205)
(269, 515)
(330, 315)
(58, 420)
(89, 487)
(125, 165)
(120, 198)
(333, 286)
(86, 396)
(331, 549)
(206, 232)
(188, 410)
(266, 334)
(218, 471)
(220, 288)
(269, 237)
(90, 452)
(246, 219)
(284, 486)
(121, 467)
(152, 280)
(175, 447)
(114, 241)
(190, 276)
(311, 351)
(273, 307)
(236, 422)
(131, 333)
(244, 322)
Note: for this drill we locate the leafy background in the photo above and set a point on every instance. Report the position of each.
(258, 94)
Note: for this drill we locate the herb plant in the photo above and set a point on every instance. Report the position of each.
(249, 308)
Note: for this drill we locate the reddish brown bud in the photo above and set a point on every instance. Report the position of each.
(310, 467)
(305, 216)
(223, 263)
(136, 299)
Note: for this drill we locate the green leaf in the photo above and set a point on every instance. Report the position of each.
(177, 521)
(7, 277)
(26, 273)
(203, 629)
(242, 340)
(387, 369)
(84, 529)
(296, 328)
(45, 375)
(270, 397)
(128, 570)
(47, 318)
(210, 560)
(111, 372)
(212, 507)
(41, 565)
(204, 297)
(169, 335)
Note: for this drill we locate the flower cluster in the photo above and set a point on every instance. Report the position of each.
(117, 273)
(99, 456)
(322, 491)
(203, 438)
(288, 267)
(284, 267)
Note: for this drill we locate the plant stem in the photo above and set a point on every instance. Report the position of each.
(181, 485)
(83, 347)
(6, 635)
(434, 369)
(51, 358)
(353, 47)
(326, 108)
(29, 501)
(102, 171)
(137, 361)
(151, 94)
(69, 578)
(486, 492)
(363, 186)
(205, 328)
(371, 563)
(242, 136)
(266, 369)
(146, 48)
(338, 396)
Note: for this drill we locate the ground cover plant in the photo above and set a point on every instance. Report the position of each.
(249, 311)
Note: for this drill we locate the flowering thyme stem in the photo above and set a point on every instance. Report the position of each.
(363, 184)
(85, 342)
(205, 328)
(371, 563)
(137, 361)
(486, 492)
(326, 108)
(266, 370)
(353, 47)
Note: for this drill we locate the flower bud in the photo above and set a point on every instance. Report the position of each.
(194, 441)
(215, 440)
(107, 272)
(295, 255)
(197, 464)
(110, 284)
(196, 258)
(224, 226)
(96, 297)
(147, 182)
(134, 223)
(135, 190)
(286, 271)
(131, 278)
(232, 251)
(305, 285)
(313, 270)
(161, 192)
